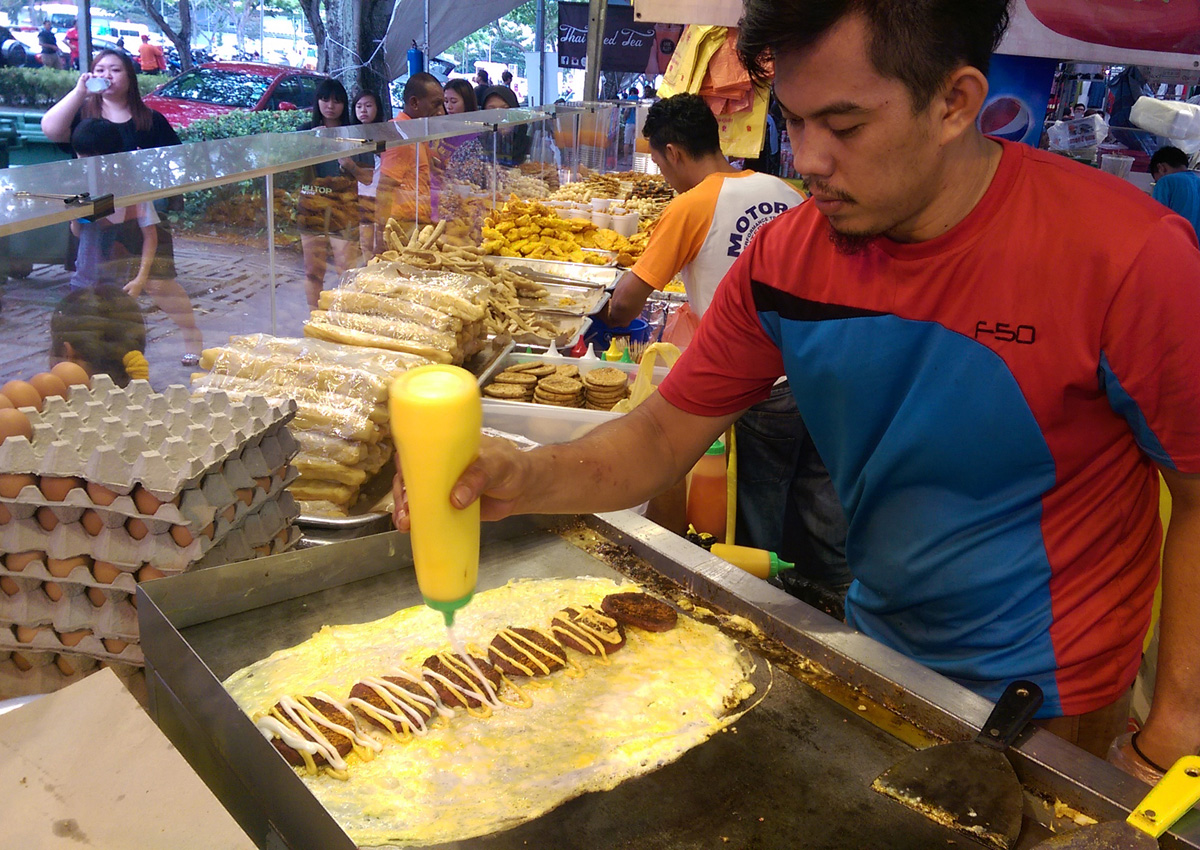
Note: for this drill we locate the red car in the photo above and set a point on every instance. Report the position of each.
(216, 88)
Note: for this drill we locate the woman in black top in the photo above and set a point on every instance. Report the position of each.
(120, 102)
(512, 143)
(365, 168)
(328, 209)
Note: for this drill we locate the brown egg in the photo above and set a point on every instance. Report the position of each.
(96, 596)
(48, 385)
(63, 567)
(71, 374)
(209, 530)
(14, 423)
(100, 494)
(181, 535)
(246, 494)
(5, 404)
(263, 483)
(104, 572)
(17, 561)
(56, 489)
(73, 638)
(9, 586)
(26, 634)
(115, 646)
(283, 535)
(5, 515)
(11, 484)
(66, 666)
(92, 522)
(133, 600)
(23, 663)
(137, 528)
(22, 394)
(263, 551)
(46, 518)
(145, 501)
(53, 590)
(148, 573)
(229, 513)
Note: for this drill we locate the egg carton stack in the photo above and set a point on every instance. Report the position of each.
(117, 486)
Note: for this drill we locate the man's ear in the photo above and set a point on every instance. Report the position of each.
(961, 100)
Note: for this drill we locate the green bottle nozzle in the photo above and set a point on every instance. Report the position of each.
(778, 565)
(448, 608)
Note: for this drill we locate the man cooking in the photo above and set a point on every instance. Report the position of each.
(995, 426)
(700, 234)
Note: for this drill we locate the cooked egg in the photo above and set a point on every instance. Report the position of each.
(56, 489)
(22, 394)
(100, 494)
(96, 596)
(92, 522)
(105, 572)
(137, 528)
(46, 518)
(11, 484)
(48, 385)
(17, 561)
(63, 567)
(53, 590)
(145, 501)
(71, 374)
(14, 423)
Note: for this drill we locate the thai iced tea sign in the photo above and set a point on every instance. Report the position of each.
(628, 44)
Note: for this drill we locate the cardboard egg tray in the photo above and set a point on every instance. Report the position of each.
(48, 642)
(45, 676)
(119, 438)
(117, 545)
(30, 606)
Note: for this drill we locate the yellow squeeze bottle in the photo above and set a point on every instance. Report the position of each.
(757, 562)
(436, 417)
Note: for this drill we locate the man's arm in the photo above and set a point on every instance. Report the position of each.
(627, 300)
(620, 464)
(1173, 726)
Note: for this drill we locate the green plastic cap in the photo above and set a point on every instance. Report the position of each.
(448, 608)
(778, 565)
(717, 448)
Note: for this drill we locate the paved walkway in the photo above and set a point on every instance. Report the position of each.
(229, 287)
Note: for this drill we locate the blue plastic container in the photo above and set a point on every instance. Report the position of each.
(600, 334)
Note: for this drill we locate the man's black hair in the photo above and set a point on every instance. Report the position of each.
(1168, 156)
(96, 137)
(418, 84)
(684, 121)
(918, 42)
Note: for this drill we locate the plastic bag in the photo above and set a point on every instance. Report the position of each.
(1077, 135)
(643, 385)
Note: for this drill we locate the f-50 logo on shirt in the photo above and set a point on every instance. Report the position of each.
(750, 221)
(1005, 332)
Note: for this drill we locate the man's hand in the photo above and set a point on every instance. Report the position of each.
(134, 287)
(498, 477)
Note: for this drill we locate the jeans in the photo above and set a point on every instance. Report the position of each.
(785, 500)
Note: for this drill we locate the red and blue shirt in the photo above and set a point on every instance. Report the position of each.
(991, 405)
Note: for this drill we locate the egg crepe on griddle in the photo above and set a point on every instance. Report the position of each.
(660, 695)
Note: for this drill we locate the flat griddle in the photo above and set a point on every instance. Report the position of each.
(794, 772)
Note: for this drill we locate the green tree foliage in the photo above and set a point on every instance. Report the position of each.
(42, 87)
(242, 123)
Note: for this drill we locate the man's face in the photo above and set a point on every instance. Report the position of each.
(428, 104)
(870, 162)
(667, 166)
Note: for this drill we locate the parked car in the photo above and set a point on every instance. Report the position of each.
(216, 88)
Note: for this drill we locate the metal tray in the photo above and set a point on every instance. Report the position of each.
(800, 764)
(582, 300)
(570, 329)
(580, 274)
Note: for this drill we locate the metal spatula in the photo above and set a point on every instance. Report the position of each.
(970, 786)
(1172, 797)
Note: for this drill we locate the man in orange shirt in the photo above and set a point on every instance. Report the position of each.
(150, 56)
(404, 186)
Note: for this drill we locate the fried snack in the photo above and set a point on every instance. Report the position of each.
(588, 630)
(401, 703)
(315, 467)
(314, 490)
(639, 610)
(526, 652)
(456, 682)
(529, 229)
(508, 392)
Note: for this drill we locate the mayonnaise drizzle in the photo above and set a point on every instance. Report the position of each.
(584, 632)
(529, 649)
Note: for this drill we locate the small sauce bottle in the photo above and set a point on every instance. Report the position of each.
(706, 496)
(757, 562)
(437, 415)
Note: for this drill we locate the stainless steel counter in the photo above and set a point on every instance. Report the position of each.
(794, 772)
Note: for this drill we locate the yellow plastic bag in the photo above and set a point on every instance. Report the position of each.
(689, 62)
(742, 132)
(643, 384)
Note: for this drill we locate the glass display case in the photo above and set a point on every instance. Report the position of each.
(248, 231)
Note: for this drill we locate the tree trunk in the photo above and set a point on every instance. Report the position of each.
(373, 75)
(312, 14)
(182, 39)
(342, 42)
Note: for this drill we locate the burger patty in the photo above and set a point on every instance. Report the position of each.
(640, 610)
(459, 673)
(588, 630)
(526, 652)
(340, 742)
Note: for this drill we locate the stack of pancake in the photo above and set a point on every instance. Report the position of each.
(540, 383)
(604, 387)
